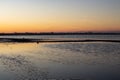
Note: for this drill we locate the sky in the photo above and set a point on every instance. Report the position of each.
(59, 15)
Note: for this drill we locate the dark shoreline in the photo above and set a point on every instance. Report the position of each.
(59, 33)
(25, 40)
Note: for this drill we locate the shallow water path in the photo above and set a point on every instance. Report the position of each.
(85, 61)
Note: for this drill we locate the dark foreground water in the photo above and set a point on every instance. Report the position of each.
(57, 61)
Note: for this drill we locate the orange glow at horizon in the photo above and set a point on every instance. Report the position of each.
(59, 25)
(10, 28)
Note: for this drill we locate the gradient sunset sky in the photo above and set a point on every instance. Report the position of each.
(59, 15)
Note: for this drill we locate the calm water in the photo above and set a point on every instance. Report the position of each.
(69, 61)
(113, 37)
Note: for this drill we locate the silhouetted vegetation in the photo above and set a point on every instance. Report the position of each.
(62, 33)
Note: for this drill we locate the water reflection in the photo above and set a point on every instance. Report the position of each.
(15, 60)
(91, 53)
(82, 61)
(22, 69)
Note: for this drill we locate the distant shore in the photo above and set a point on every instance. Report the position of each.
(61, 33)
(25, 40)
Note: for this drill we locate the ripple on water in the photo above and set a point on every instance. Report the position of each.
(88, 53)
(53, 60)
(22, 68)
